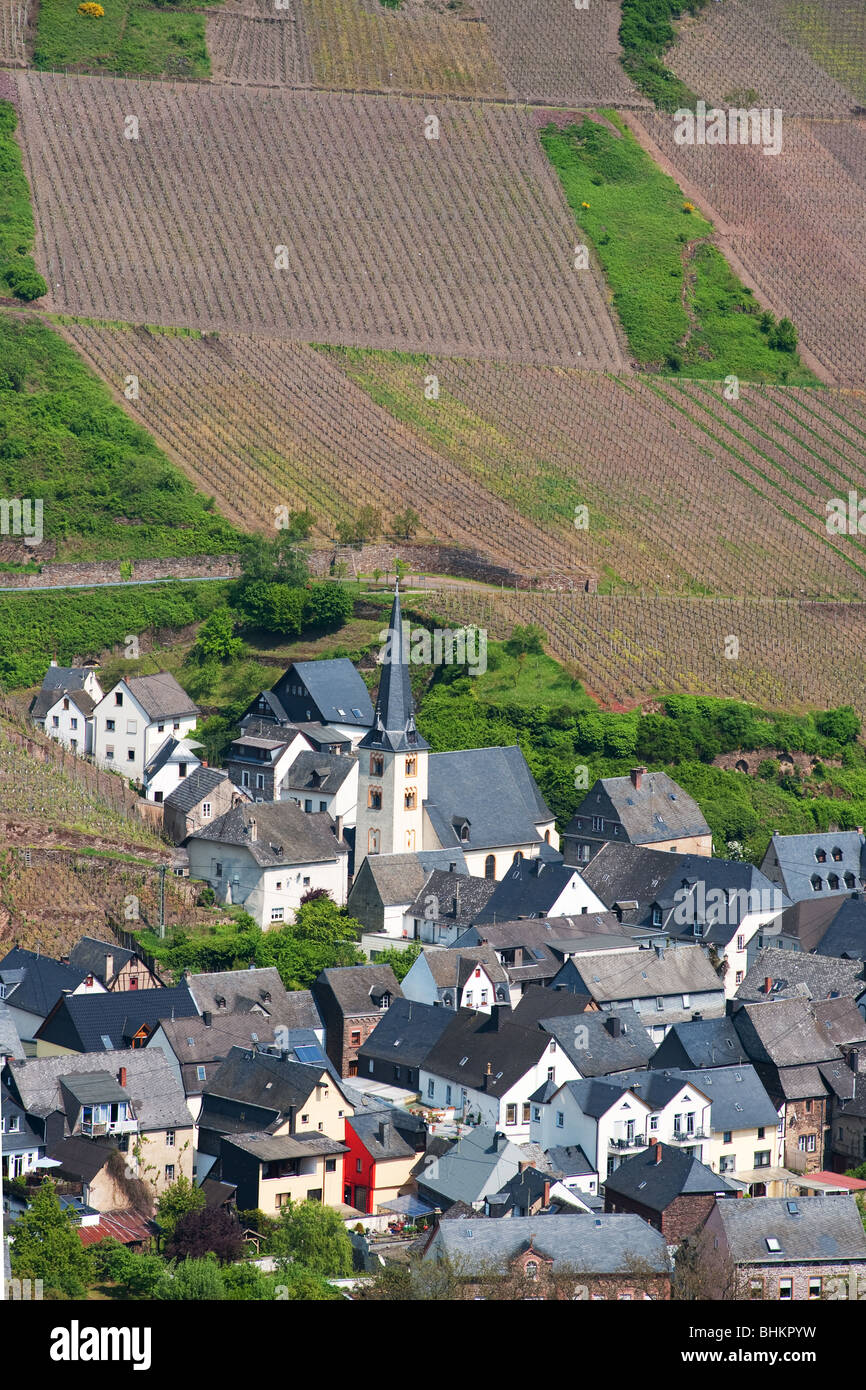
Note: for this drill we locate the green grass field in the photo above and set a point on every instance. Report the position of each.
(679, 302)
(18, 274)
(131, 37)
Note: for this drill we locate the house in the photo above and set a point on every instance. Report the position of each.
(114, 967)
(783, 974)
(664, 987)
(379, 1159)
(831, 861)
(263, 720)
(533, 950)
(538, 1004)
(745, 1127)
(486, 1068)
(323, 782)
(201, 798)
(597, 1044)
(848, 1119)
(702, 1042)
(603, 1257)
(351, 1000)
(169, 766)
(802, 926)
(845, 936)
(89, 1164)
(131, 1096)
(385, 886)
(64, 706)
(327, 692)
(668, 1188)
(31, 985)
(259, 763)
(136, 717)
(21, 1144)
(448, 902)
(775, 1248)
(481, 1162)
(128, 1227)
(645, 808)
(268, 857)
(275, 1129)
(400, 1043)
(537, 888)
(97, 1022)
(259, 991)
(10, 1042)
(469, 978)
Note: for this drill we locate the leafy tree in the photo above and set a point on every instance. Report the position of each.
(401, 962)
(140, 1275)
(320, 919)
(215, 640)
(327, 605)
(364, 526)
(46, 1246)
(176, 1201)
(525, 640)
(212, 1230)
(406, 523)
(842, 724)
(281, 561)
(25, 283)
(301, 524)
(302, 1286)
(783, 336)
(273, 606)
(246, 1282)
(314, 1236)
(194, 1281)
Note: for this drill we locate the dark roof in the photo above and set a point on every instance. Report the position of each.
(807, 921)
(529, 889)
(823, 976)
(89, 954)
(464, 1172)
(807, 1229)
(320, 772)
(260, 992)
(80, 1158)
(523, 1190)
(166, 751)
(406, 1033)
(157, 1097)
(271, 1083)
(596, 1095)
(791, 859)
(336, 689)
(458, 897)
(194, 1044)
(490, 789)
(217, 1194)
(81, 1021)
(658, 809)
(591, 1244)
(538, 1002)
(93, 1087)
(569, 1161)
(657, 1088)
(784, 1032)
(497, 1052)
(45, 701)
(160, 696)
(10, 1043)
(737, 1093)
(394, 719)
(357, 989)
(284, 833)
(655, 1181)
(628, 975)
(399, 878)
(704, 1042)
(597, 1049)
(195, 788)
(380, 1136)
(42, 982)
(126, 1226)
(846, 933)
(453, 968)
(842, 1019)
(25, 1137)
(64, 678)
(271, 1147)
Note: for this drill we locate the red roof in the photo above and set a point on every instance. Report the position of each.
(840, 1180)
(125, 1226)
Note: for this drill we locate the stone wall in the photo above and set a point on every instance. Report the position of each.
(442, 559)
(109, 572)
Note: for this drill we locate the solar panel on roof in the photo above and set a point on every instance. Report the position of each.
(308, 1054)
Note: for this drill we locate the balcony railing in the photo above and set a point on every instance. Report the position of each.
(681, 1136)
(109, 1127)
(637, 1141)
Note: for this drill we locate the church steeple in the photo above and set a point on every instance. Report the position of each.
(394, 721)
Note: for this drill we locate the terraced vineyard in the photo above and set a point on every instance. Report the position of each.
(254, 42)
(14, 32)
(463, 244)
(795, 220)
(626, 649)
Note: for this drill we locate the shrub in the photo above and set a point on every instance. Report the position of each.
(26, 284)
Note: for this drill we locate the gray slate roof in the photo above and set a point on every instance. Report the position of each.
(478, 1163)
(160, 696)
(224, 992)
(66, 677)
(195, 788)
(643, 974)
(42, 982)
(157, 1097)
(81, 1021)
(822, 1228)
(451, 969)
(492, 789)
(358, 988)
(394, 719)
(589, 1244)
(271, 1147)
(738, 1096)
(460, 896)
(284, 834)
(846, 933)
(48, 698)
(658, 810)
(784, 1032)
(704, 1042)
(569, 1160)
(400, 878)
(89, 954)
(824, 976)
(530, 888)
(336, 689)
(379, 1135)
(595, 1050)
(656, 1183)
(318, 772)
(497, 1052)
(406, 1033)
(10, 1043)
(791, 860)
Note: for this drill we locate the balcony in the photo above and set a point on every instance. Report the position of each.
(95, 1130)
(637, 1141)
(681, 1136)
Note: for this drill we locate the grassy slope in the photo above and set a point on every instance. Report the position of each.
(131, 37)
(634, 216)
(68, 442)
(16, 217)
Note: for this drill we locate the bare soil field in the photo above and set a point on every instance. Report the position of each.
(748, 54)
(461, 245)
(684, 489)
(626, 650)
(796, 222)
(552, 52)
(14, 32)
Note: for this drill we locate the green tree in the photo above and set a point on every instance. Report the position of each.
(273, 606)
(526, 640)
(302, 1286)
(194, 1281)
(406, 523)
(320, 919)
(215, 640)
(314, 1236)
(282, 561)
(46, 1245)
(327, 605)
(842, 724)
(181, 1197)
(401, 962)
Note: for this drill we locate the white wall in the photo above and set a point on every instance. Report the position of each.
(256, 890)
(133, 730)
(493, 1109)
(73, 728)
(168, 779)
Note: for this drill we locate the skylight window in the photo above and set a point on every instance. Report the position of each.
(357, 713)
(773, 1245)
(106, 1042)
(463, 1061)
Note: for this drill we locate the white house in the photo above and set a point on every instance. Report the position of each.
(322, 782)
(259, 763)
(266, 858)
(133, 721)
(472, 978)
(65, 704)
(170, 765)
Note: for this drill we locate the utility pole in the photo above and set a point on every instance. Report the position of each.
(162, 869)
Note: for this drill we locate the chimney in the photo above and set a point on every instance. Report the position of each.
(254, 832)
(207, 1018)
(338, 827)
(538, 866)
(121, 1077)
(52, 662)
(109, 965)
(613, 1024)
(697, 1016)
(489, 1068)
(383, 1133)
(637, 777)
(64, 960)
(452, 867)
(658, 1157)
(545, 1201)
(768, 984)
(857, 1060)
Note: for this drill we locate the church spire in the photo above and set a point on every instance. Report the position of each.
(394, 721)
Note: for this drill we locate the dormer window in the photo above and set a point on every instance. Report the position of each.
(833, 882)
(817, 883)
(657, 916)
(837, 854)
(821, 856)
(849, 880)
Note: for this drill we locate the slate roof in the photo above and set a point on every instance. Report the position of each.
(222, 992)
(89, 955)
(523, 1190)
(10, 1043)
(80, 1021)
(824, 976)
(195, 788)
(657, 810)
(394, 719)
(160, 696)
(182, 749)
(80, 1158)
(336, 689)
(644, 974)
(319, 772)
(400, 878)
(791, 859)
(452, 969)
(471, 894)
(271, 1083)
(783, 1032)
(406, 1033)
(65, 678)
(842, 1019)
(656, 1183)
(157, 1097)
(823, 1228)
(466, 1170)
(569, 1160)
(284, 833)
(530, 888)
(368, 1126)
(269, 1148)
(23, 1139)
(658, 1088)
(507, 1049)
(538, 1003)
(704, 1042)
(846, 933)
(737, 1093)
(562, 935)
(808, 921)
(357, 988)
(42, 982)
(42, 704)
(595, 1051)
(596, 1095)
(590, 1244)
(196, 1045)
(490, 788)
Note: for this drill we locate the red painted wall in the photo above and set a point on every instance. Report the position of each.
(352, 1176)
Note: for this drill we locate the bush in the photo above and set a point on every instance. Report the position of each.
(194, 1281)
(26, 284)
(210, 1231)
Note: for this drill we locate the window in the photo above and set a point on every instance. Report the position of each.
(109, 726)
(511, 1114)
(205, 810)
(598, 822)
(660, 1003)
(531, 1269)
(109, 751)
(218, 870)
(741, 942)
(815, 1286)
(314, 1194)
(833, 881)
(372, 842)
(821, 856)
(358, 1165)
(583, 852)
(761, 1132)
(323, 805)
(786, 1288)
(55, 720)
(657, 916)
(14, 1124)
(484, 994)
(808, 1107)
(551, 1073)
(160, 728)
(410, 799)
(330, 1165)
(728, 1133)
(654, 1122)
(245, 779)
(468, 998)
(308, 804)
(130, 755)
(727, 1163)
(560, 1120)
(817, 883)
(260, 781)
(536, 1113)
(806, 1143)
(175, 727)
(490, 866)
(132, 726)
(277, 914)
(169, 1172)
(118, 697)
(377, 764)
(169, 1138)
(305, 1119)
(762, 1158)
(430, 1089)
(412, 766)
(73, 723)
(525, 1115)
(355, 1037)
(739, 977)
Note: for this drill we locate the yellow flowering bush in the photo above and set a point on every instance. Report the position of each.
(584, 205)
(89, 7)
(688, 207)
